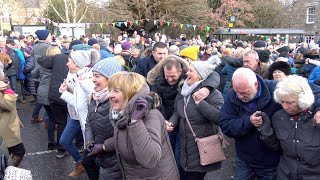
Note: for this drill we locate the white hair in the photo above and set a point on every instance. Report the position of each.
(296, 87)
(244, 74)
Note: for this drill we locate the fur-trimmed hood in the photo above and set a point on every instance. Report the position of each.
(156, 71)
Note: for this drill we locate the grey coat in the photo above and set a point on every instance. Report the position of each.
(143, 147)
(39, 50)
(204, 120)
(299, 139)
(45, 78)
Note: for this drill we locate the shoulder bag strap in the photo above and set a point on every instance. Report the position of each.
(187, 119)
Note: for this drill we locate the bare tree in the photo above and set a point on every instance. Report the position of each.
(69, 11)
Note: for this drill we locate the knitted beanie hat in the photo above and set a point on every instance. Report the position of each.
(125, 45)
(78, 47)
(82, 58)
(190, 52)
(92, 41)
(203, 68)
(74, 42)
(107, 67)
(42, 34)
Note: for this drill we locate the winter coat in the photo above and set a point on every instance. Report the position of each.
(44, 75)
(306, 70)
(39, 50)
(235, 122)
(263, 70)
(14, 57)
(232, 64)
(143, 147)
(299, 139)
(98, 129)
(204, 121)
(145, 65)
(9, 120)
(77, 97)
(59, 72)
(21, 63)
(29, 66)
(105, 53)
(315, 75)
(167, 92)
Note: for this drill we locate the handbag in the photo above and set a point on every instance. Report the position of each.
(211, 147)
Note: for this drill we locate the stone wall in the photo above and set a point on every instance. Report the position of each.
(299, 16)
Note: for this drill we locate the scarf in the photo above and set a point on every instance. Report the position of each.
(101, 96)
(187, 90)
(116, 114)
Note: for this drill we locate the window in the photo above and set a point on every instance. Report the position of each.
(311, 15)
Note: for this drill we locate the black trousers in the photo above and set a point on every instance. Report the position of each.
(60, 115)
(196, 175)
(91, 166)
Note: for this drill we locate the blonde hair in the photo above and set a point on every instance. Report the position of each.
(296, 87)
(238, 53)
(135, 51)
(96, 47)
(53, 50)
(121, 60)
(129, 83)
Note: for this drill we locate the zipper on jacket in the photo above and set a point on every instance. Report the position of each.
(295, 146)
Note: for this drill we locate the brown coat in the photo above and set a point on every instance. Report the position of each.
(9, 120)
(143, 147)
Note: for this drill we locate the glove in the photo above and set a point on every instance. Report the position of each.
(89, 146)
(317, 82)
(140, 109)
(265, 129)
(96, 149)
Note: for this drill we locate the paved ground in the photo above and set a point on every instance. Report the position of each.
(44, 165)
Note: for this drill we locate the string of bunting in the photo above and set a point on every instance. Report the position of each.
(126, 23)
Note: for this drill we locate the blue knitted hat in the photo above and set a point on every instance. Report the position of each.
(42, 34)
(107, 67)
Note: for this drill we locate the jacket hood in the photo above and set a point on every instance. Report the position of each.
(45, 62)
(156, 71)
(233, 61)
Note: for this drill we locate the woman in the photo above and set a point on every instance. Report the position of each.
(75, 92)
(9, 121)
(295, 130)
(44, 74)
(98, 127)
(203, 117)
(279, 70)
(140, 137)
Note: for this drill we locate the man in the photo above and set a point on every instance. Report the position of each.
(207, 53)
(259, 45)
(239, 117)
(166, 78)
(251, 61)
(159, 52)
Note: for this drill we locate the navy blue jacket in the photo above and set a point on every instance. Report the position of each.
(145, 65)
(235, 122)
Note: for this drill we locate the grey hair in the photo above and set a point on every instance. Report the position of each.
(246, 74)
(173, 50)
(296, 87)
(1, 71)
(215, 61)
(251, 52)
(94, 56)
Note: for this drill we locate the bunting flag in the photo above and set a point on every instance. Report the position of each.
(88, 25)
(161, 22)
(194, 27)
(130, 22)
(168, 23)
(188, 26)
(107, 24)
(201, 27)
(113, 24)
(181, 26)
(137, 22)
(119, 24)
(141, 21)
(155, 22)
(208, 28)
(101, 25)
(174, 25)
(76, 26)
(125, 23)
(68, 28)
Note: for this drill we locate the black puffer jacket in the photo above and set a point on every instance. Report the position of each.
(98, 129)
(203, 119)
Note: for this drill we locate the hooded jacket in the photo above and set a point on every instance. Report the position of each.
(143, 147)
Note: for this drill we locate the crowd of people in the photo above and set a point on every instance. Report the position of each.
(127, 103)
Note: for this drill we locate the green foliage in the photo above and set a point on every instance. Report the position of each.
(51, 14)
